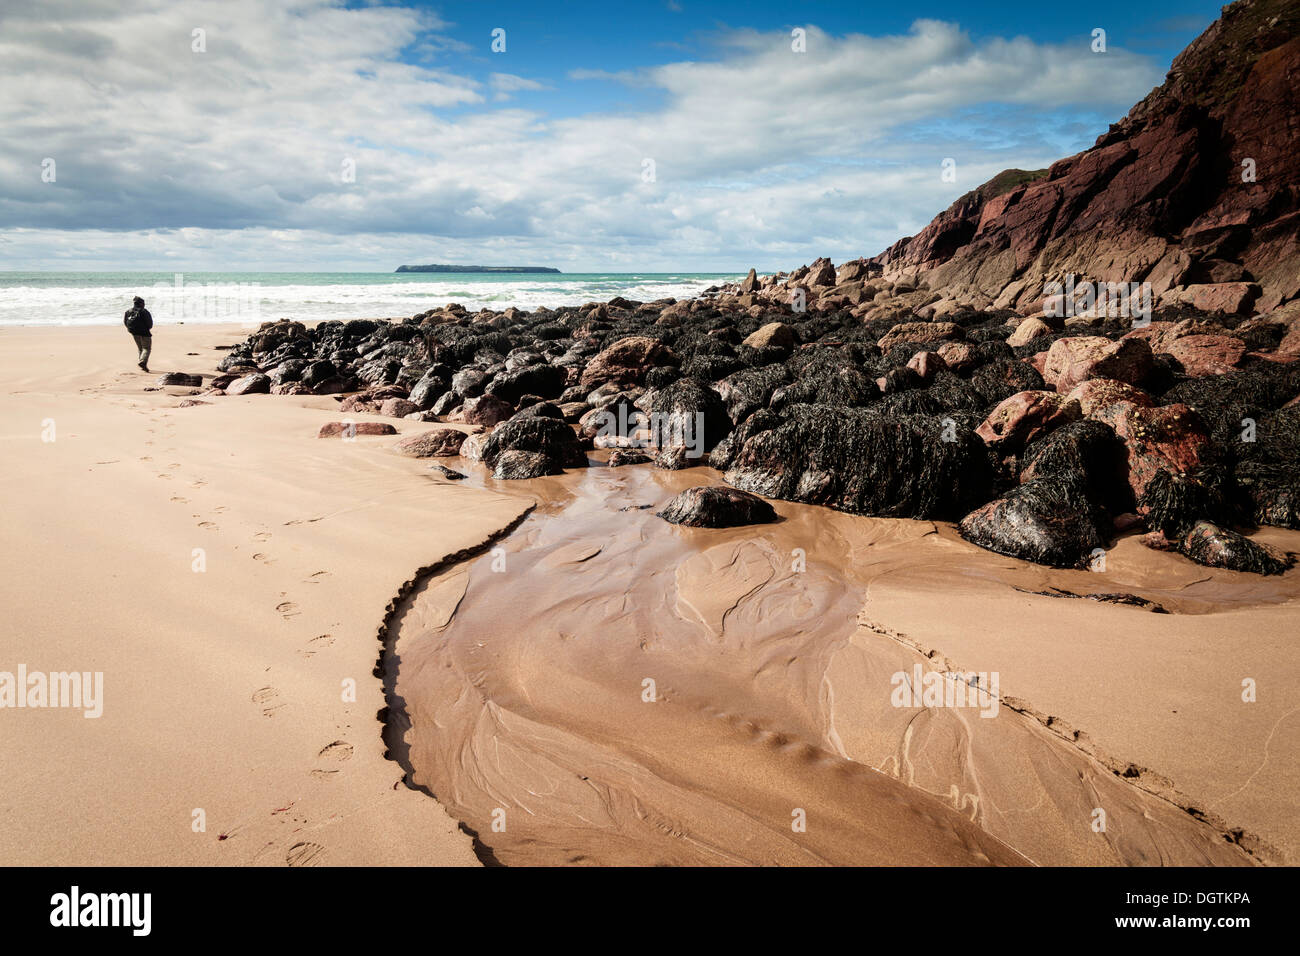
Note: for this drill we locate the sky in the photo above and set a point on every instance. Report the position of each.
(662, 136)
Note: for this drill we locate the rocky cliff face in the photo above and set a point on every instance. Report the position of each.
(1198, 186)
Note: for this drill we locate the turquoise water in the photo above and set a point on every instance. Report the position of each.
(97, 298)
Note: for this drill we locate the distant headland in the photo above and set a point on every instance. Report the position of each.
(445, 268)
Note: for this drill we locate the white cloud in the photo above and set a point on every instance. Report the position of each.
(761, 155)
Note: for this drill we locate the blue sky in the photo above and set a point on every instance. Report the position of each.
(311, 134)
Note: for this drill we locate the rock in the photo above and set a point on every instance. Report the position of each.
(750, 284)
(775, 335)
(1026, 416)
(514, 464)
(958, 356)
(340, 429)
(687, 419)
(398, 408)
(180, 378)
(472, 448)
(253, 384)
(627, 361)
(1215, 547)
(927, 365)
(437, 443)
(1098, 393)
(1076, 359)
(291, 388)
(1027, 331)
(853, 461)
(428, 390)
(924, 333)
(717, 507)
(821, 272)
(447, 473)
(1233, 298)
(486, 410)
(547, 436)
(1091, 454)
(1169, 437)
(1207, 354)
(1173, 504)
(627, 456)
(1045, 520)
(1000, 379)
(190, 403)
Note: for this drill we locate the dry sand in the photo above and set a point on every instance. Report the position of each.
(519, 675)
(223, 689)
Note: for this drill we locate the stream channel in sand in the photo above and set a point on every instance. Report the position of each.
(602, 687)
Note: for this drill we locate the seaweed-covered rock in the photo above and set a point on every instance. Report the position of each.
(1091, 453)
(856, 462)
(1208, 544)
(1045, 520)
(448, 473)
(627, 361)
(1002, 378)
(549, 436)
(514, 465)
(747, 391)
(1173, 504)
(717, 507)
(627, 456)
(1169, 437)
(687, 420)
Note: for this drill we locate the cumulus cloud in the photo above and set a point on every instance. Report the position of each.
(344, 127)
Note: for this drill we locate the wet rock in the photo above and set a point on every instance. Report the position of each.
(448, 473)
(548, 436)
(438, 443)
(1089, 452)
(341, 429)
(1045, 520)
(687, 420)
(398, 408)
(717, 507)
(1173, 504)
(1215, 547)
(513, 464)
(627, 456)
(428, 390)
(852, 461)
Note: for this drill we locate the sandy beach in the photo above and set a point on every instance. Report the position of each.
(223, 689)
(232, 575)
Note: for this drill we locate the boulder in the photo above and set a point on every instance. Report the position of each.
(1233, 298)
(627, 456)
(1045, 520)
(180, 378)
(687, 419)
(398, 407)
(1169, 437)
(1026, 416)
(925, 333)
(253, 384)
(1208, 544)
(851, 460)
(1027, 331)
(447, 473)
(1207, 354)
(1098, 393)
(774, 334)
(485, 410)
(438, 443)
(515, 464)
(627, 361)
(717, 507)
(1076, 359)
(548, 436)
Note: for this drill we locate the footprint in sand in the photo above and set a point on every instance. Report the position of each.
(208, 526)
(305, 854)
(336, 753)
(262, 535)
(162, 474)
(174, 464)
(219, 508)
(268, 698)
(317, 577)
(263, 558)
(316, 644)
(146, 458)
(287, 609)
(178, 498)
(197, 484)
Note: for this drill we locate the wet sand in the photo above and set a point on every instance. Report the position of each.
(521, 698)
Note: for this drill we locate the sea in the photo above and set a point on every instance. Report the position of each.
(100, 298)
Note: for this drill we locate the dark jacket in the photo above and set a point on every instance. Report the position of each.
(138, 321)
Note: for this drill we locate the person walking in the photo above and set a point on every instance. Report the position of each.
(139, 323)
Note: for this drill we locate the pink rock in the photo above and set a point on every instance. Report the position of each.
(1172, 437)
(926, 364)
(1231, 297)
(486, 410)
(1098, 393)
(1076, 359)
(398, 407)
(1024, 416)
(1207, 354)
(627, 361)
(254, 384)
(958, 356)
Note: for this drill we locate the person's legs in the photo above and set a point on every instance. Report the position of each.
(145, 344)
